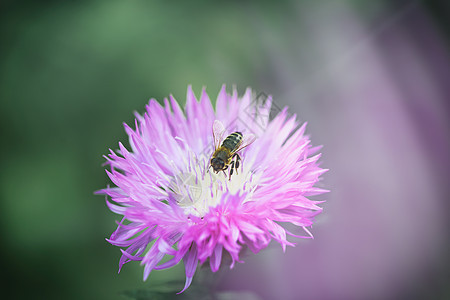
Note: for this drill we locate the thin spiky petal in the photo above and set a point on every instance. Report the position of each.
(169, 198)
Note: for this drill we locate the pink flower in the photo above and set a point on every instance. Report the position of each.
(167, 192)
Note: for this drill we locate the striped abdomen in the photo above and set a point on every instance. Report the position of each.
(232, 141)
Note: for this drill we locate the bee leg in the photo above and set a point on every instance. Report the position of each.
(231, 169)
(238, 158)
(236, 161)
(224, 171)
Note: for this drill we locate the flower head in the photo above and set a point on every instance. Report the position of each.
(168, 193)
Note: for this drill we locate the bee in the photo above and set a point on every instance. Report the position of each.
(226, 152)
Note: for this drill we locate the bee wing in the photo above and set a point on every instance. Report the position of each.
(218, 129)
(247, 140)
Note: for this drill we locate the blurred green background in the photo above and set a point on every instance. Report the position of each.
(70, 73)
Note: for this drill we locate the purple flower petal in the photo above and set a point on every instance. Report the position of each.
(169, 196)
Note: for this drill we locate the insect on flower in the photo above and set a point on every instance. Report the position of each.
(226, 152)
(172, 206)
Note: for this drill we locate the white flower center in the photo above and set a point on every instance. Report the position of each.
(198, 188)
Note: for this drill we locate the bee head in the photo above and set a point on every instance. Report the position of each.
(217, 164)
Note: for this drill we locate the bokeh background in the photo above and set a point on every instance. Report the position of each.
(372, 78)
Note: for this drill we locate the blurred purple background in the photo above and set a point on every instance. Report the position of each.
(376, 97)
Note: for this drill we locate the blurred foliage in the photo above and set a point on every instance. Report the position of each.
(70, 73)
